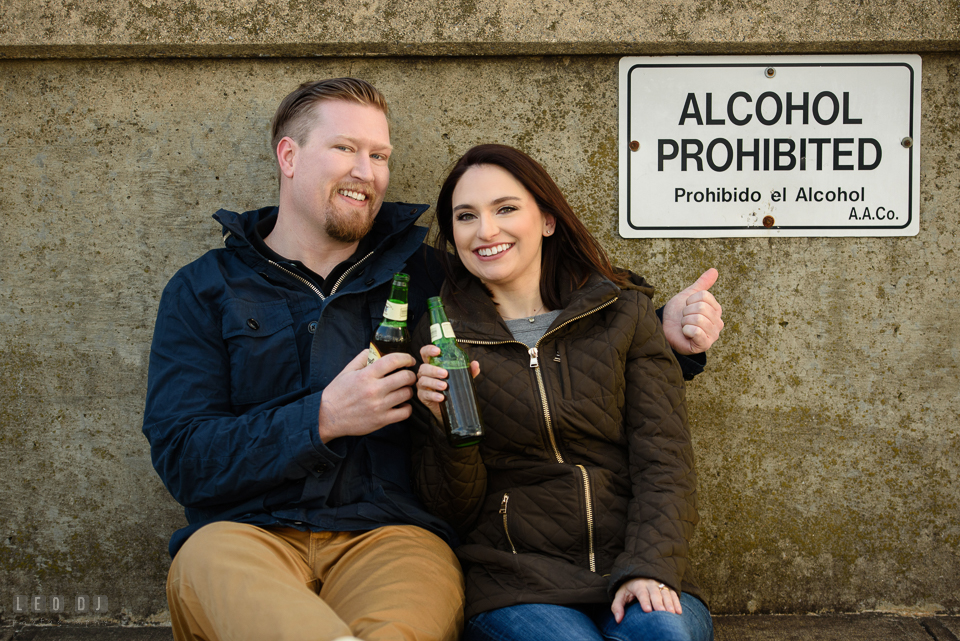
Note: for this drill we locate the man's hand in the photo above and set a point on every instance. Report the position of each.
(362, 399)
(691, 320)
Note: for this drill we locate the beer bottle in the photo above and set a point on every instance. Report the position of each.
(392, 335)
(461, 418)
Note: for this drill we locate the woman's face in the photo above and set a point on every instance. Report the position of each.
(498, 229)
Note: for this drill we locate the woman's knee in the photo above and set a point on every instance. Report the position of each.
(694, 624)
(532, 622)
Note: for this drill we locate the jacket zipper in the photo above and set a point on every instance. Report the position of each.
(503, 511)
(546, 411)
(586, 492)
(313, 287)
(535, 364)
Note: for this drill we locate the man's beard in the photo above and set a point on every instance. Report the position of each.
(349, 227)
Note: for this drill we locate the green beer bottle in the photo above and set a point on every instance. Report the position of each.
(392, 335)
(461, 418)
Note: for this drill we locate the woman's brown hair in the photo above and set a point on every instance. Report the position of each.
(569, 255)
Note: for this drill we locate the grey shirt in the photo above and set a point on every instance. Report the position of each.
(529, 333)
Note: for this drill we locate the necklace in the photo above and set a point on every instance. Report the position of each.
(531, 318)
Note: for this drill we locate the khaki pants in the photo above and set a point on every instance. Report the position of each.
(232, 581)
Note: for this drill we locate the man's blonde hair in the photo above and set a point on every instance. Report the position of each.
(293, 115)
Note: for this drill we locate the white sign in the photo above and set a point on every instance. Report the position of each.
(722, 146)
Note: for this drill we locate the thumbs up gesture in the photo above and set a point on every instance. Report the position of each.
(691, 319)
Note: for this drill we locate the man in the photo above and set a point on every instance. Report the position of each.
(289, 456)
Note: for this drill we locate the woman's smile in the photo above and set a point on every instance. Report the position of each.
(498, 229)
(493, 252)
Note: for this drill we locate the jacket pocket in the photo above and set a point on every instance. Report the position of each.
(264, 362)
(375, 304)
(545, 518)
(506, 524)
(563, 367)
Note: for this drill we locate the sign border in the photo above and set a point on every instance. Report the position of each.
(770, 63)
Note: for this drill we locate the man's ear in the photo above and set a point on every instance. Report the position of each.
(286, 155)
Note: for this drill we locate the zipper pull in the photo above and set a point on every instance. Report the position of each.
(503, 504)
(534, 361)
(556, 359)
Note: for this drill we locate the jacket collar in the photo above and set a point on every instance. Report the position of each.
(391, 220)
(474, 316)
(392, 233)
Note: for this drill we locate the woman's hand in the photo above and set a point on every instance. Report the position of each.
(430, 380)
(651, 595)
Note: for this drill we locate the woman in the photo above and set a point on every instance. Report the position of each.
(581, 500)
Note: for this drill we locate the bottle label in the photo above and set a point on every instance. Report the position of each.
(441, 330)
(395, 311)
(373, 354)
(447, 330)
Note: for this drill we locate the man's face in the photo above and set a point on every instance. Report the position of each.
(340, 174)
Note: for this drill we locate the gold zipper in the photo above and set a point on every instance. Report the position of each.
(534, 362)
(576, 318)
(535, 365)
(313, 287)
(586, 492)
(546, 410)
(503, 511)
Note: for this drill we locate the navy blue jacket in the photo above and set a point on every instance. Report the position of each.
(241, 354)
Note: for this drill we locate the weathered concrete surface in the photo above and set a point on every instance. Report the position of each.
(826, 426)
(863, 627)
(78, 633)
(90, 28)
(840, 467)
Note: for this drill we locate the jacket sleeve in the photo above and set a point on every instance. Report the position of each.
(662, 512)
(451, 481)
(204, 452)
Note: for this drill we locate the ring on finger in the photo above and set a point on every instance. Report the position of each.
(662, 587)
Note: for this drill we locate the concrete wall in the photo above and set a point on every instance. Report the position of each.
(826, 426)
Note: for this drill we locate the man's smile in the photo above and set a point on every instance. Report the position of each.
(355, 195)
